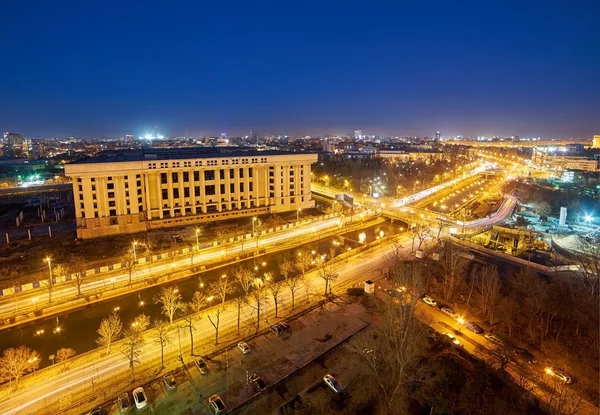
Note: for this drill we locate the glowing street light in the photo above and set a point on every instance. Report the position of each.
(461, 320)
(298, 214)
(49, 261)
(254, 219)
(197, 243)
(362, 237)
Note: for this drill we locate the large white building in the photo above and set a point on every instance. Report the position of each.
(127, 191)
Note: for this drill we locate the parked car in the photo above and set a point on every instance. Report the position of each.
(452, 338)
(258, 383)
(280, 328)
(139, 396)
(243, 346)
(524, 354)
(448, 311)
(559, 375)
(474, 327)
(201, 365)
(217, 404)
(283, 326)
(429, 301)
(96, 411)
(169, 381)
(494, 339)
(332, 383)
(124, 402)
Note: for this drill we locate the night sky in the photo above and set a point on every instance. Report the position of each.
(104, 68)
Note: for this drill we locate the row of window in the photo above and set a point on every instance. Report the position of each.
(198, 163)
(208, 175)
(209, 190)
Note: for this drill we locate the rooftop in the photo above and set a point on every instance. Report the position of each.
(149, 154)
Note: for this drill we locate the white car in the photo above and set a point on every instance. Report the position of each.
(332, 383)
(217, 404)
(429, 301)
(139, 396)
(559, 375)
(449, 311)
(243, 346)
(494, 339)
(453, 338)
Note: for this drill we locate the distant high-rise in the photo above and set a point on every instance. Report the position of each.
(438, 135)
(596, 142)
(253, 135)
(129, 138)
(13, 144)
(358, 134)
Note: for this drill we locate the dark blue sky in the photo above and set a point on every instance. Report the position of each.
(479, 68)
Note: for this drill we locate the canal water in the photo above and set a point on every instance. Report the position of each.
(78, 328)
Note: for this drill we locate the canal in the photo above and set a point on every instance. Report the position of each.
(78, 328)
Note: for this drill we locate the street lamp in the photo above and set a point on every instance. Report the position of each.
(254, 219)
(298, 214)
(210, 298)
(134, 244)
(197, 243)
(48, 260)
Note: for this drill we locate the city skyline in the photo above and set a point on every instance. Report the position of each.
(389, 70)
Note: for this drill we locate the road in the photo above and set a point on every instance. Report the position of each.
(12, 305)
(45, 394)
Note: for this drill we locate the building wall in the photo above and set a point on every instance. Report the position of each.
(133, 196)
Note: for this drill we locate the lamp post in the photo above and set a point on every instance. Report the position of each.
(197, 243)
(298, 214)
(48, 260)
(134, 244)
(254, 219)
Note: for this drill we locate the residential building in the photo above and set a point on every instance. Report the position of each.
(127, 191)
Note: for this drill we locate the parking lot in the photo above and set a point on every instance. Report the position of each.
(272, 357)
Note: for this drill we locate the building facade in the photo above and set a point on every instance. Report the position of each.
(553, 161)
(128, 191)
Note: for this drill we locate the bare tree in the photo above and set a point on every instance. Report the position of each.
(161, 337)
(15, 363)
(131, 348)
(587, 258)
(489, 287)
(257, 297)
(170, 298)
(140, 323)
(257, 229)
(215, 324)
(109, 331)
(221, 288)
(190, 319)
(292, 281)
(63, 355)
(128, 262)
(244, 278)
(562, 399)
(420, 232)
(498, 356)
(326, 271)
(222, 233)
(77, 267)
(390, 355)
(451, 269)
(274, 288)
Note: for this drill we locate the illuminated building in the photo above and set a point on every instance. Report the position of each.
(127, 191)
(596, 141)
